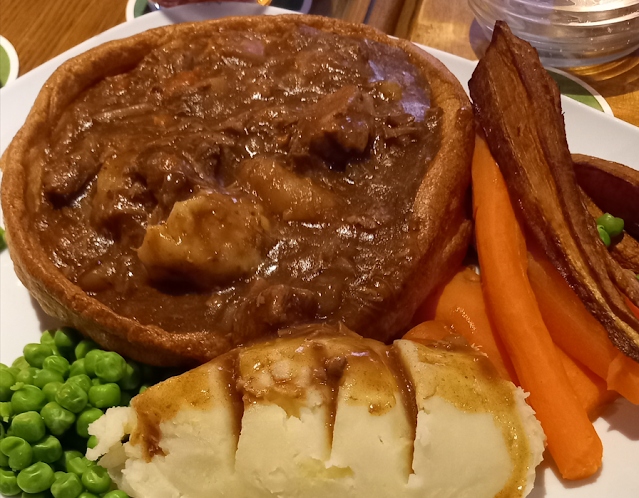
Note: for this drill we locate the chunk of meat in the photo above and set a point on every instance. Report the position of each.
(121, 202)
(208, 240)
(285, 193)
(79, 166)
(168, 177)
(133, 190)
(337, 129)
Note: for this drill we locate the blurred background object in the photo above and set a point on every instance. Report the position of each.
(567, 32)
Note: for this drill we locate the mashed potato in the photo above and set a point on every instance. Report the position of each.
(324, 415)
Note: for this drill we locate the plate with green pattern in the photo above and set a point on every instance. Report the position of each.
(574, 88)
(8, 62)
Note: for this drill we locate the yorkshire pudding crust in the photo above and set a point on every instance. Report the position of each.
(439, 209)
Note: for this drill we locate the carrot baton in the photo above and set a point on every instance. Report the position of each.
(623, 377)
(461, 306)
(577, 332)
(510, 302)
(431, 330)
(570, 324)
(589, 388)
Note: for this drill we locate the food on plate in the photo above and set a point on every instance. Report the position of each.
(613, 188)
(324, 412)
(45, 413)
(460, 305)
(200, 186)
(511, 304)
(518, 106)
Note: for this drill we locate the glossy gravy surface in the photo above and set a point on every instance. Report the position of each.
(248, 183)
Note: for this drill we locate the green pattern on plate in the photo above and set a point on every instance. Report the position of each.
(5, 66)
(575, 91)
(140, 8)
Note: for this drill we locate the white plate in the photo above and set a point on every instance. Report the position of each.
(589, 132)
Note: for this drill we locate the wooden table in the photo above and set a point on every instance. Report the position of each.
(41, 29)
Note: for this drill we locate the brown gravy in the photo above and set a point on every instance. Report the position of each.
(243, 183)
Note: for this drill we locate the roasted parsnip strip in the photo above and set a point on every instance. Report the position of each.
(518, 106)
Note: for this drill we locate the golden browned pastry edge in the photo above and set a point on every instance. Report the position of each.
(439, 209)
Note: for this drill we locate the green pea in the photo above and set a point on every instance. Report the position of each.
(67, 456)
(72, 397)
(605, 237)
(125, 398)
(44, 376)
(57, 475)
(84, 347)
(26, 375)
(3, 239)
(81, 380)
(77, 466)
(57, 419)
(115, 494)
(6, 411)
(28, 398)
(9, 483)
(91, 361)
(48, 450)
(110, 367)
(132, 377)
(66, 340)
(29, 426)
(7, 380)
(51, 389)
(67, 486)
(143, 388)
(86, 494)
(47, 338)
(19, 452)
(36, 478)
(21, 363)
(4, 459)
(98, 382)
(96, 480)
(92, 442)
(77, 368)
(57, 364)
(86, 418)
(105, 396)
(611, 224)
(36, 353)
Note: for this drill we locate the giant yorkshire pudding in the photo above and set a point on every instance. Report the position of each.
(201, 186)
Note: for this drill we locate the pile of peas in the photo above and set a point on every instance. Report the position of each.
(48, 399)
